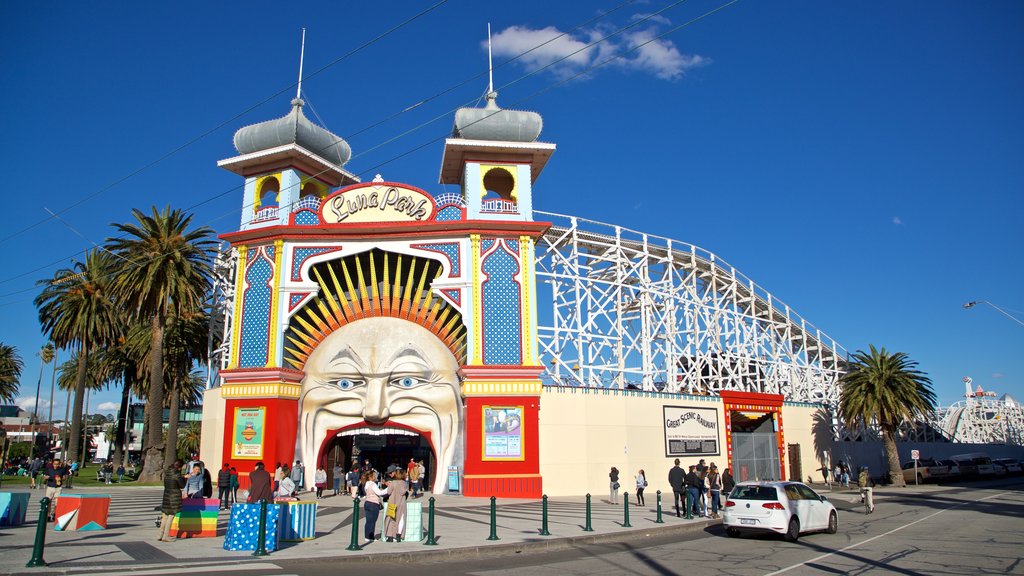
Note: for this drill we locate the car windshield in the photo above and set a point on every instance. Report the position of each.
(754, 493)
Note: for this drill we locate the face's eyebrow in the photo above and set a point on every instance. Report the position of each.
(347, 353)
(409, 351)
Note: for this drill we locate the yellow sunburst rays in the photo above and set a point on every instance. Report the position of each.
(338, 305)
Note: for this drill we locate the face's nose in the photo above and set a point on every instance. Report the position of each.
(375, 407)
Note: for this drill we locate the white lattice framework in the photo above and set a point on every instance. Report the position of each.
(629, 309)
(222, 300)
(982, 421)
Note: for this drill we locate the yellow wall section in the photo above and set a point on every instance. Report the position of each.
(212, 440)
(236, 324)
(511, 170)
(256, 205)
(477, 345)
(801, 429)
(529, 330)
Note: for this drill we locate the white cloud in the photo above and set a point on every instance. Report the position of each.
(897, 220)
(108, 407)
(26, 402)
(637, 46)
(997, 374)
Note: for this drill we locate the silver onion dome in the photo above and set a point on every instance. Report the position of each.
(293, 128)
(494, 123)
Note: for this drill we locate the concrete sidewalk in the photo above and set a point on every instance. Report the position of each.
(462, 526)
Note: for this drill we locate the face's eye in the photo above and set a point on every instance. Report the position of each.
(347, 384)
(406, 382)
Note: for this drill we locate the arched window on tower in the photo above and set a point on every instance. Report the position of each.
(499, 191)
(267, 198)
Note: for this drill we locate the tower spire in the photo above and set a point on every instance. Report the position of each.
(302, 53)
(490, 62)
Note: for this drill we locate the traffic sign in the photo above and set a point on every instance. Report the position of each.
(915, 454)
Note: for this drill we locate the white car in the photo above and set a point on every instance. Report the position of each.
(787, 508)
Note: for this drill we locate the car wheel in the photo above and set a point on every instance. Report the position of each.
(833, 523)
(732, 532)
(793, 532)
(920, 479)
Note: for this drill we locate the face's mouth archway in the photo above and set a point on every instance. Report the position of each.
(351, 436)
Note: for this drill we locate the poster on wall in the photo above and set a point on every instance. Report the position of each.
(503, 433)
(690, 431)
(247, 438)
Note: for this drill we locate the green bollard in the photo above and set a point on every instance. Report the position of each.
(261, 533)
(494, 519)
(353, 546)
(430, 525)
(37, 548)
(625, 510)
(544, 516)
(689, 506)
(588, 527)
(658, 520)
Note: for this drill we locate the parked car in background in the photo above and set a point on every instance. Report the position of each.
(928, 470)
(953, 467)
(975, 464)
(787, 508)
(1012, 466)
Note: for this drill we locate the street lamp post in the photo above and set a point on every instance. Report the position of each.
(974, 303)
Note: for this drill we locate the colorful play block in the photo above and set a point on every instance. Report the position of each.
(298, 521)
(82, 512)
(413, 521)
(243, 527)
(197, 519)
(13, 508)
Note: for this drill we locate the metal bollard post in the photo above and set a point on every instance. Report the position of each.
(37, 548)
(353, 545)
(625, 510)
(588, 527)
(494, 519)
(261, 531)
(689, 506)
(430, 524)
(658, 520)
(544, 516)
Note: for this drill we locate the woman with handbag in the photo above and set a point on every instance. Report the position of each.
(613, 485)
(641, 483)
(372, 504)
(394, 516)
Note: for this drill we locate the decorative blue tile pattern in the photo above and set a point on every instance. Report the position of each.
(513, 245)
(306, 218)
(300, 255)
(448, 214)
(256, 310)
(501, 307)
(449, 249)
(294, 300)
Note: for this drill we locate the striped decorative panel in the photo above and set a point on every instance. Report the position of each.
(298, 521)
(197, 519)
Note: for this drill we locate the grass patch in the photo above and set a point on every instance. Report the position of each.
(86, 477)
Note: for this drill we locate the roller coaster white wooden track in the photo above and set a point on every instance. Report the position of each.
(634, 310)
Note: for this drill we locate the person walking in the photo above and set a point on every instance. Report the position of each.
(234, 485)
(33, 471)
(353, 481)
(866, 485)
(641, 483)
(715, 486)
(298, 476)
(394, 517)
(693, 483)
(171, 504)
(677, 480)
(320, 481)
(372, 504)
(728, 482)
(55, 473)
(120, 473)
(260, 486)
(613, 484)
(338, 475)
(224, 486)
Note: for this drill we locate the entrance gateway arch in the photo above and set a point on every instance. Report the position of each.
(375, 321)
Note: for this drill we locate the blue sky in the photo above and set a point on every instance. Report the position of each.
(861, 161)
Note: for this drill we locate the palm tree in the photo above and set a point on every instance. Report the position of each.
(76, 311)
(169, 276)
(10, 372)
(46, 355)
(884, 388)
(189, 439)
(67, 379)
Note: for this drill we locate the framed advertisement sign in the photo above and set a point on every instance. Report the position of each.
(691, 431)
(248, 433)
(503, 433)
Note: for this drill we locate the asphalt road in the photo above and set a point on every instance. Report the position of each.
(975, 529)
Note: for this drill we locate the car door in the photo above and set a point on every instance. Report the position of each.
(818, 511)
(799, 505)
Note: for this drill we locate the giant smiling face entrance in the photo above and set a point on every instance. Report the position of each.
(382, 376)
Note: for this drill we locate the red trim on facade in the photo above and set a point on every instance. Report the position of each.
(386, 231)
(755, 402)
(262, 375)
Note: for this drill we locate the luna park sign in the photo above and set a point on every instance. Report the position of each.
(377, 202)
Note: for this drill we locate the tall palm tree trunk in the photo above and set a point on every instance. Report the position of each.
(171, 451)
(152, 469)
(76, 415)
(85, 432)
(65, 433)
(122, 422)
(892, 457)
(53, 385)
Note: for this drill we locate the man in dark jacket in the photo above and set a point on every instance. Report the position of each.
(224, 486)
(676, 480)
(693, 485)
(259, 485)
(173, 485)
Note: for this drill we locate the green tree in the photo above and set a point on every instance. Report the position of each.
(10, 372)
(884, 388)
(67, 380)
(76, 311)
(169, 275)
(189, 439)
